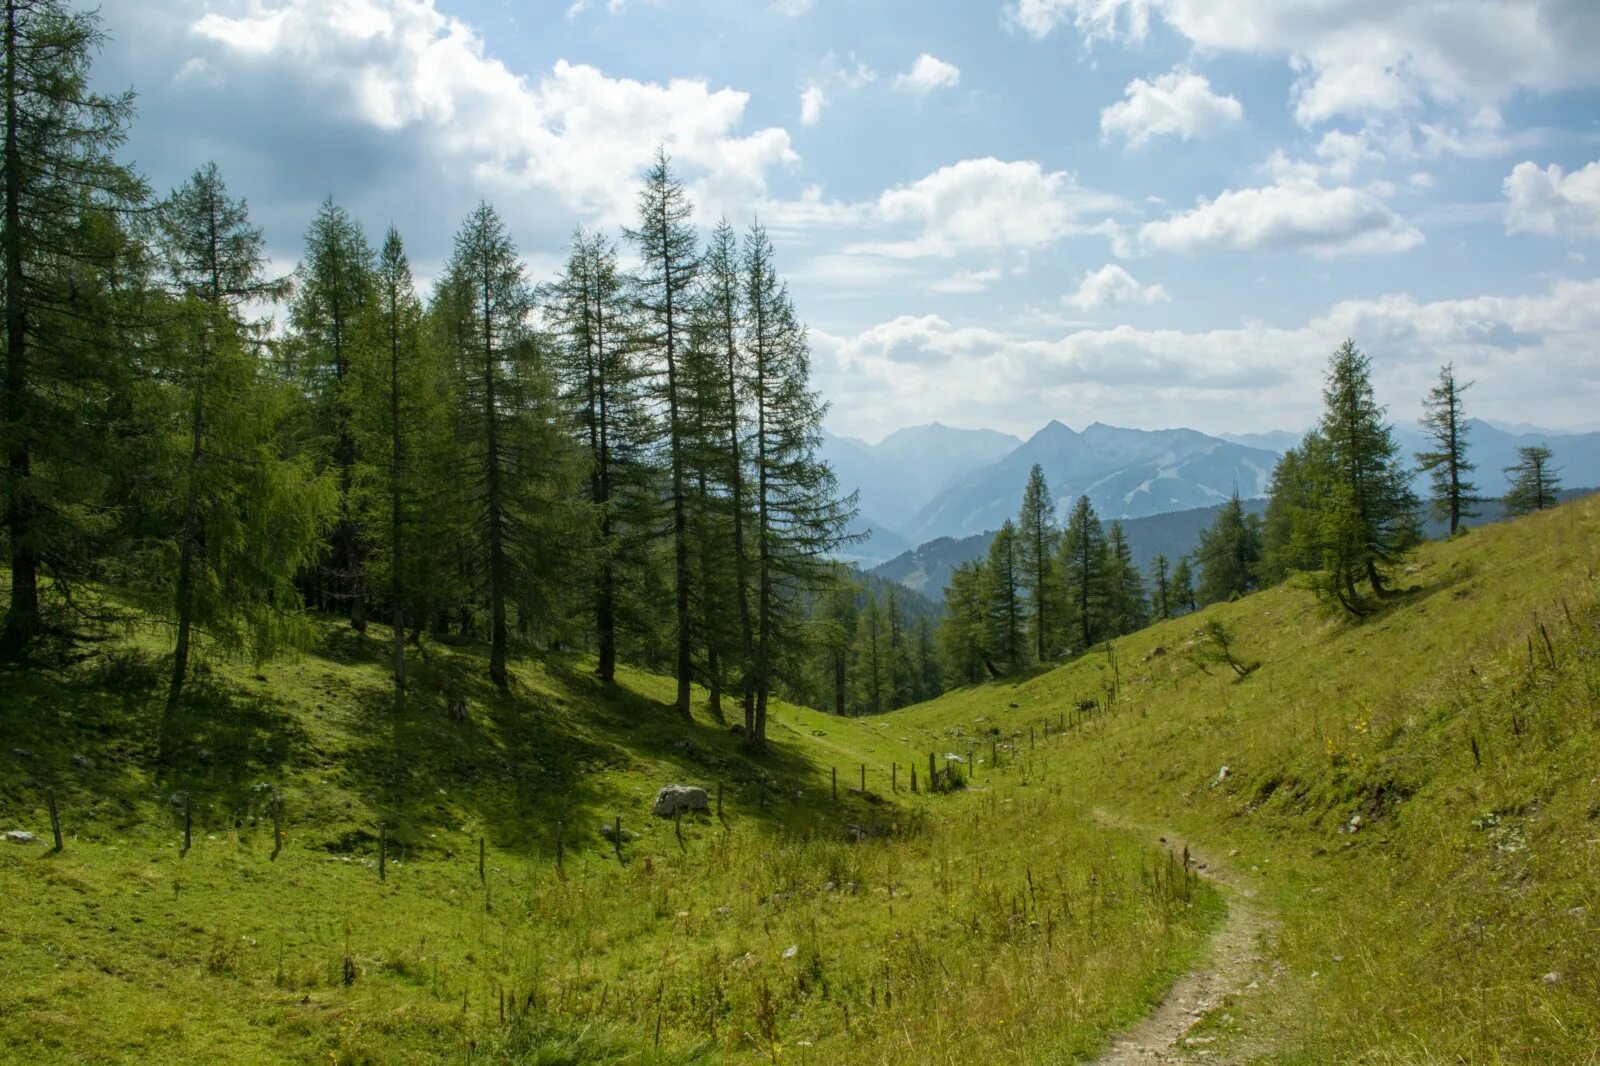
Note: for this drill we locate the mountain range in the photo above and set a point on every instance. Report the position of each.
(924, 483)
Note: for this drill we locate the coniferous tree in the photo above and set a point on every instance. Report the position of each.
(1229, 553)
(334, 287)
(1160, 588)
(798, 518)
(1126, 609)
(399, 392)
(483, 306)
(1083, 574)
(1007, 640)
(1292, 501)
(1182, 592)
(1037, 542)
(249, 519)
(1446, 462)
(925, 661)
(73, 283)
(870, 674)
(840, 614)
(670, 266)
(601, 379)
(1365, 516)
(1534, 484)
(964, 631)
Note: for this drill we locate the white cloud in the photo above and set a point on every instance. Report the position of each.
(1361, 58)
(985, 204)
(1522, 350)
(575, 131)
(812, 100)
(1112, 285)
(1176, 104)
(967, 281)
(1549, 201)
(1294, 215)
(793, 8)
(927, 74)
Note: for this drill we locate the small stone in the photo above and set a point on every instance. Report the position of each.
(1551, 978)
(82, 760)
(19, 836)
(22, 753)
(1222, 774)
(791, 951)
(1577, 912)
(831, 886)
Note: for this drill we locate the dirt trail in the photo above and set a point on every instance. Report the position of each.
(1234, 964)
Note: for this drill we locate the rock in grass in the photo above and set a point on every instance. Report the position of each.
(675, 798)
(19, 836)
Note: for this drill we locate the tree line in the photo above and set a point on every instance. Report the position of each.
(623, 461)
(1341, 516)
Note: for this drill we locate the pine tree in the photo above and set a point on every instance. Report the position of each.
(1446, 463)
(665, 288)
(1366, 518)
(399, 395)
(925, 660)
(250, 520)
(1006, 640)
(1229, 553)
(334, 287)
(1292, 501)
(484, 303)
(1037, 541)
(1182, 592)
(1126, 610)
(798, 517)
(871, 682)
(1083, 572)
(840, 615)
(73, 280)
(601, 379)
(1534, 485)
(1160, 588)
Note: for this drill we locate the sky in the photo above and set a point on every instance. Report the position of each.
(991, 213)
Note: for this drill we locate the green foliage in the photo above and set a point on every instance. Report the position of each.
(1446, 462)
(1038, 540)
(1006, 640)
(1534, 484)
(1083, 575)
(1126, 607)
(1229, 554)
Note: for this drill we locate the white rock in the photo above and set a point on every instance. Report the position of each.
(791, 951)
(19, 836)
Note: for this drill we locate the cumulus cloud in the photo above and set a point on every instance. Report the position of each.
(1175, 104)
(927, 74)
(1362, 59)
(812, 100)
(985, 204)
(1294, 215)
(1111, 284)
(1550, 201)
(1520, 349)
(967, 281)
(575, 131)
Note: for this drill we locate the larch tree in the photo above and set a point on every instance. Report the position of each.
(1083, 574)
(248, 519)
(485, 301)
(1446, 463)
(963, 634)
(602, 381)
(1126, 609)
(1160, 587)
(1006, 639)
(1291, 502)
(798, 517)
(664, 292)
(1534, 484)
(1229, 553)
(73, 280)
(334, 285)
(1037, 541)
(1181, 595)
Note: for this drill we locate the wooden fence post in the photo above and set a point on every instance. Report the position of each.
(55, 817)
(863, 779)
(187, 823)
(383, 852)
(277, 826)
(835, 772)
(482, 876)
(913, 778)
(894, 777)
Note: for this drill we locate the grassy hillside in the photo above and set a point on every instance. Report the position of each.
(795, 927)
(1007, 921)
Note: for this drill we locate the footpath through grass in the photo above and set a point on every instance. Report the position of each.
(994, 924)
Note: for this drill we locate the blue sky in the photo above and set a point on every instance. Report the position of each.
(992, 212)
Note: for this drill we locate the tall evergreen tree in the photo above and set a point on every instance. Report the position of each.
(599, 372)
(250, 519)
(1083, 573)
(1037, 543)
(964, 630)
(1182, 592)
(1366, 518)
(1292, 501)
(1229, 553)
(798, 516)
(1446, 462)
(1160, 588)
(72, 282)
(1007, 640)
(870, 667)
(334, 287)
(1534, 484)
(669, 270)
(484, 302)
(1126, 609)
